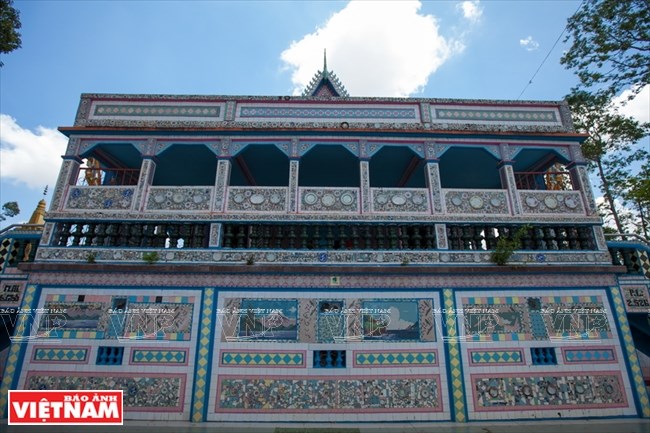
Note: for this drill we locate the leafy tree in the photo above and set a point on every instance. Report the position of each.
(610, 44)
(9, 210)
(9, 25)
(611, 147)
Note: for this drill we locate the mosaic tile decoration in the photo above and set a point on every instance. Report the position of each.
(253, 358)
(589, 355)
(474, 114)
(455, 363)
(628, 345)
(148, 356)
(576, 317)
(203, 356)
(170, 321)
(151, 393)
(15, 350)
(328, 394)
(551, 392)
(58, 354)
(395, 358)
(343, 112)
(496, 357)
(156, 110)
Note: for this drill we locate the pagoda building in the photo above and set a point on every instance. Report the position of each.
(328, 258)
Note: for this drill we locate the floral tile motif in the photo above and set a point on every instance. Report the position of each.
(595, 389)
(153, 392)
(328, 394)
(100, 197)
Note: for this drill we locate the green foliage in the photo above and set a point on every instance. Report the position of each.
(250, 260)
(9, 25)
(506, 246)
(90, 258)
(612, 148)
(9, 210)
(151, 257)
(610, 44)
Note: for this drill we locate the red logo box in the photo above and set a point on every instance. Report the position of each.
(66, 407)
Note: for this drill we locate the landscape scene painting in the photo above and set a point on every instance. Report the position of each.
(268, 319)
(390, 319)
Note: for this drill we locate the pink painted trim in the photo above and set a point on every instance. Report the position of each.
(355, 365)
(500, 349)
(612, 348)
(45, 361)
(435, 377)
(172, 364)
(182, 377)
(303, 352)
(478, 408)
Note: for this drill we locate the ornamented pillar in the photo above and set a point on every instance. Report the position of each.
(294, 166)
(580, 181)
(507, 174)
(433, 183)
(147, 170)
(364, 175)
(221, 184)
(67, 176)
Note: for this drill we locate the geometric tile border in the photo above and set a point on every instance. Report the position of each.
(143, 392)
(496, 357)
(22, 329)
(266, 358)
(589, 355)
(395, 358)
(471, 114)
(60, 355)
(548, 391)
(455, 364)
(628, 344)
(148, 356)
(203, 355)
(328, 394)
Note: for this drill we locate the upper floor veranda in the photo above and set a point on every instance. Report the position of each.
(230, 161)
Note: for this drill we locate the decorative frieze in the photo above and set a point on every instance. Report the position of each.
(190, 198)
(476, 201)
(329, 200)
(256, 199)
(398, 200)
(100, 197)
(552, 202)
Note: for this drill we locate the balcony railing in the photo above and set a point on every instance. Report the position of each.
(89, 176)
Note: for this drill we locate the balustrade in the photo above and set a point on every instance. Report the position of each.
(131, 234)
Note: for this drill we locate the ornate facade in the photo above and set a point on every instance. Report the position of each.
(327, 258)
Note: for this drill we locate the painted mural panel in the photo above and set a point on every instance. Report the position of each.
(268, 319)
(390, 320)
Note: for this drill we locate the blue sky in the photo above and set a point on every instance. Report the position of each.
(446, 49)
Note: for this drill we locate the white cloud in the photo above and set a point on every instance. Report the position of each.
(375, 48)
(31, 158)
(529, 43)
(639, 107)
(471, 10)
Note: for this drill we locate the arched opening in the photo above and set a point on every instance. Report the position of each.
(397, 167)
(185, 165)
(469, 168)
(260, 165)
(110, 164)
(329, 166)
(542, 169)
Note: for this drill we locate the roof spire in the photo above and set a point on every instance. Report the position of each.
(325, 83)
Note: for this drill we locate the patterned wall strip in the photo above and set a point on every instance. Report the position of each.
(496, 357)
(148, 356)
(16, 351)
(555, 391)
(60, 355)
(86, 335)
(589, 355)
(253, 358)
(455, 362)
(628, 344)
(142, 393)
(328, 394)
(480, 114)
(396, 358)
(157, 110)
(343, 112)
(201, 379)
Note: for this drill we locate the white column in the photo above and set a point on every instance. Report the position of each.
(67, 176)
(221, 182)
(364, 176)
(147, 171)
(294, 170)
